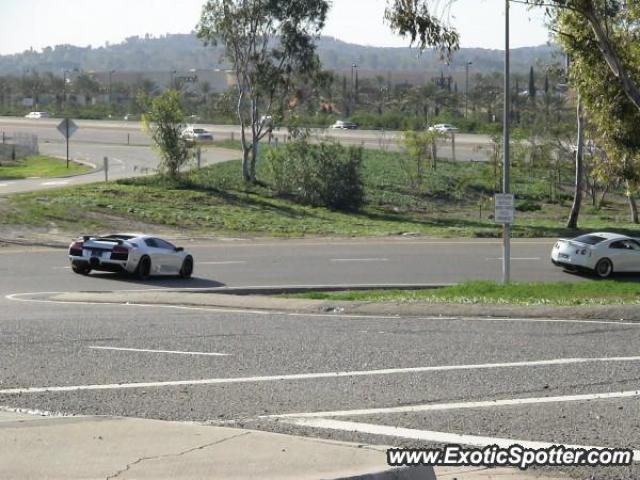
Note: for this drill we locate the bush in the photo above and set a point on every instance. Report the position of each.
(326, 174)
(528, 206)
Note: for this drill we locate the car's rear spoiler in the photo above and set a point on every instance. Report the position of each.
(86, 238)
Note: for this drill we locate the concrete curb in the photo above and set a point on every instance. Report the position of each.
(241, 299)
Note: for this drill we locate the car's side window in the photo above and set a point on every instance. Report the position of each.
(162, 244)
(151, 242)
(618, 245)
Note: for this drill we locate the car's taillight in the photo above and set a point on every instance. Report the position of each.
(120, 253)
(76, 249)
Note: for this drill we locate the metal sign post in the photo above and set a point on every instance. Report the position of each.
(67, 128)
(106, 168)
(506, 233)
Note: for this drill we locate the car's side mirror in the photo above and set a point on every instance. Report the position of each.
(179, 249)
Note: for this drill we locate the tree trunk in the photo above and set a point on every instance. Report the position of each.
(633, 206)
(577, 194)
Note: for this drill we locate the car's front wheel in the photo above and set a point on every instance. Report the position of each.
(144, 268)
(80, 269)
(604, 268)
(187, 268)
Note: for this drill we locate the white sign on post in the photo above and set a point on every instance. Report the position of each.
(505, 208)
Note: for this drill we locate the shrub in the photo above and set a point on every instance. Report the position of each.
(326, 174)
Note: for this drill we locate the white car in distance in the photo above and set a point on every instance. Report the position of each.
(602, 253)
(37, 115)
(142, 255)
(197, 135)
(443, 128)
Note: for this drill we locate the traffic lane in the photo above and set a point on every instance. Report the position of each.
(65, 344)
(299, 263)
(49, 133)
(249, 401)
(12, 122)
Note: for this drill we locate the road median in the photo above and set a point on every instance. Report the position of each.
(228, 298)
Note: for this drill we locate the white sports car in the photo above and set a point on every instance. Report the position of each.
(142, 255)
(602, 253)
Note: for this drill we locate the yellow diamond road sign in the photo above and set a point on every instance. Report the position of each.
(67, 128)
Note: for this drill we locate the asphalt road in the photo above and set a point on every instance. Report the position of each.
(251, 368)
(468, 147)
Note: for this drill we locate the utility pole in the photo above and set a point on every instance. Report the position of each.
(111, 72)
(353, 92)
(466, 87)
(506, 234)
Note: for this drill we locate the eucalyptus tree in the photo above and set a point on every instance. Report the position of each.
(268, 42)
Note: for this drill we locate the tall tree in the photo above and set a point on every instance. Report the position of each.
(164, 120)
(611, 111)
(532, 84)
(268, 42)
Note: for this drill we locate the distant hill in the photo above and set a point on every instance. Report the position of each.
(184, 52)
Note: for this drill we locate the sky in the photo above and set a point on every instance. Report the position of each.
(36, 24)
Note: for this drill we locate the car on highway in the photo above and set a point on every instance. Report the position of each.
(343, 125)
(37, 115)
(197, 135)
(602, 253)
(142, 255)
(443, 128)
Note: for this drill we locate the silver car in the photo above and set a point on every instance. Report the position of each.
(142, 255)
(602, 253)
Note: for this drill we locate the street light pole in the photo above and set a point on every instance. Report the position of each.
(111, 72)
(466, 87)
(353, 94)
(506, 249)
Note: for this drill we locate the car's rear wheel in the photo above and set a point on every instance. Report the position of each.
(604, 268)
(144, 268)
(187, 268)
(80, 269)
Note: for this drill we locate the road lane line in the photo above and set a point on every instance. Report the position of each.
(462, 405)
(516, 258)
(56, 182)
(143, 350)
(359, 259)
(230, 262)
(313, 376)
(430, 436)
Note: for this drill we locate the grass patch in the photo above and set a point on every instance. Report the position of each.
(454, 201)
(39, 166)
(558, 294)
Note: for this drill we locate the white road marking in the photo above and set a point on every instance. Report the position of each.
(312, 376)
(230, 262)
(4, 184)
(516, 258)
(429, 436)
(61, 268)
(56, 182)
(359, 259)
(511, 402)
(143, 350)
